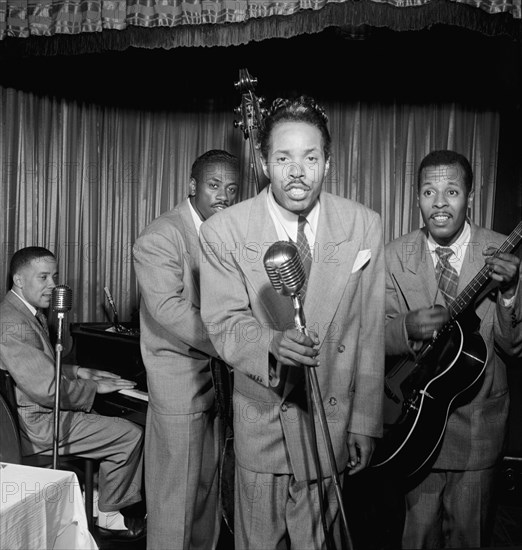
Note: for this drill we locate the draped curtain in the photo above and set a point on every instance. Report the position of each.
(83, 180)
(118, 24)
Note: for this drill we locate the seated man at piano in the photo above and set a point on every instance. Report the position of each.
(182, 442)
(427, 272)
(27, 353)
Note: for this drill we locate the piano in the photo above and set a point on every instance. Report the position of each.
(101, 346)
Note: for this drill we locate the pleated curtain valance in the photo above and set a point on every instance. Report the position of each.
(83, 26)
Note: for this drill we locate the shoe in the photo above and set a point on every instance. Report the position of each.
(136, 528)
(111, 520)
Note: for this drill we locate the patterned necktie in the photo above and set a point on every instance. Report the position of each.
(42, 319)
(304, 251)
(447, 275)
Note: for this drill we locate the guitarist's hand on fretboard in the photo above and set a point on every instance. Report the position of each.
(504, 268)
(422, 324)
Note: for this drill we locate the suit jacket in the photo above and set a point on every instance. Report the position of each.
(242, 311)
(27, 353)
(475, 432)
(174, 342)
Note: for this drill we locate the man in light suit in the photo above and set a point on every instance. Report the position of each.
(182, 440)
(451, 506)
(27, 353)
(252, 328)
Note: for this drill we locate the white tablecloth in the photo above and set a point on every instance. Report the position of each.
(42, 509)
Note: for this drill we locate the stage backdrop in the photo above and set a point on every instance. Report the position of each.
(84, 179)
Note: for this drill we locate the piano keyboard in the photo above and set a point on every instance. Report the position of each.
(138, 394)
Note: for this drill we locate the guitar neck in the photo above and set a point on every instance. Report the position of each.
(466, 297)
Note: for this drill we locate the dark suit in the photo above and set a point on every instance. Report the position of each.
(27, 353)
(475, 432)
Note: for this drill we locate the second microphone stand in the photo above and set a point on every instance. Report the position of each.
(58, 378)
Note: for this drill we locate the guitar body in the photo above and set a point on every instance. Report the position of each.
(420, 395)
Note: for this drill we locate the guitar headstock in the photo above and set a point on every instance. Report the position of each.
(251, 109)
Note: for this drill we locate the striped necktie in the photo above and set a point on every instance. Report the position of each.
(304, 251)
(447, 275)
(42, 319)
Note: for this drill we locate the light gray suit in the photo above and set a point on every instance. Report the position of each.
(181, 446)
(345, 308)
(27, 353)
(475, 432)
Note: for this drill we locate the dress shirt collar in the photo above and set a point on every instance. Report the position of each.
(195, 216)
(31, 308)
(459, 248)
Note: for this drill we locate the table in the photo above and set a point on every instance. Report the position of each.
(42, 509)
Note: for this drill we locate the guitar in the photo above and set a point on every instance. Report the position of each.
(420, 393)
(251, 121)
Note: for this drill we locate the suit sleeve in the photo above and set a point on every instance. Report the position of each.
(369, 377)
(159, 263)
(508, 324)
(240, 339)
(33, 370)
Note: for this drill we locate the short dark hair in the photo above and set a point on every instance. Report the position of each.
(447, 157)
(25, 256)
(211, 157)
(300, 109)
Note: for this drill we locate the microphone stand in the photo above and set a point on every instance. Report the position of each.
(313, 383)
(58, 378)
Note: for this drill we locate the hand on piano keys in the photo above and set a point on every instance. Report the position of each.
(137, 394)
(107, 382)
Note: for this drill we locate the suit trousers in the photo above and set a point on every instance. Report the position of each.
(118, 444)
(182, 455)
(275, 511)
(450, 509)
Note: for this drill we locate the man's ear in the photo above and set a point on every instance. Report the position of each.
(471, 196)
(265, 167)
(18, 280)
(327, 167)
(192, 187)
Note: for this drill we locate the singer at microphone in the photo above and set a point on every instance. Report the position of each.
(254, 295)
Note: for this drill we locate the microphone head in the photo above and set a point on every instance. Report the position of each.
(284, 268)
(61, 298)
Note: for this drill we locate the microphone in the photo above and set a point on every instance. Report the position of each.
(61, 299)
(285, 268)
(113, 306)
(286, 272)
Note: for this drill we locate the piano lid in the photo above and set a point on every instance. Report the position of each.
(96, 346)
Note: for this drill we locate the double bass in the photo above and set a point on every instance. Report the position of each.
(251, 122)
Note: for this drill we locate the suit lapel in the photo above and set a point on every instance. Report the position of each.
(261, 234)
(192, 247)
(334, 255)
(418, 277)
(31, 320)
(473, 259)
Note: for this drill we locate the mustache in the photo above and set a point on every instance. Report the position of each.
(296, 183)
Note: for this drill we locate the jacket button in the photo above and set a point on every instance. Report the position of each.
(332, 401)
(284, 407)
(341, 348)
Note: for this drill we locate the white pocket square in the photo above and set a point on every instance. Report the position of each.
(363, 257)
